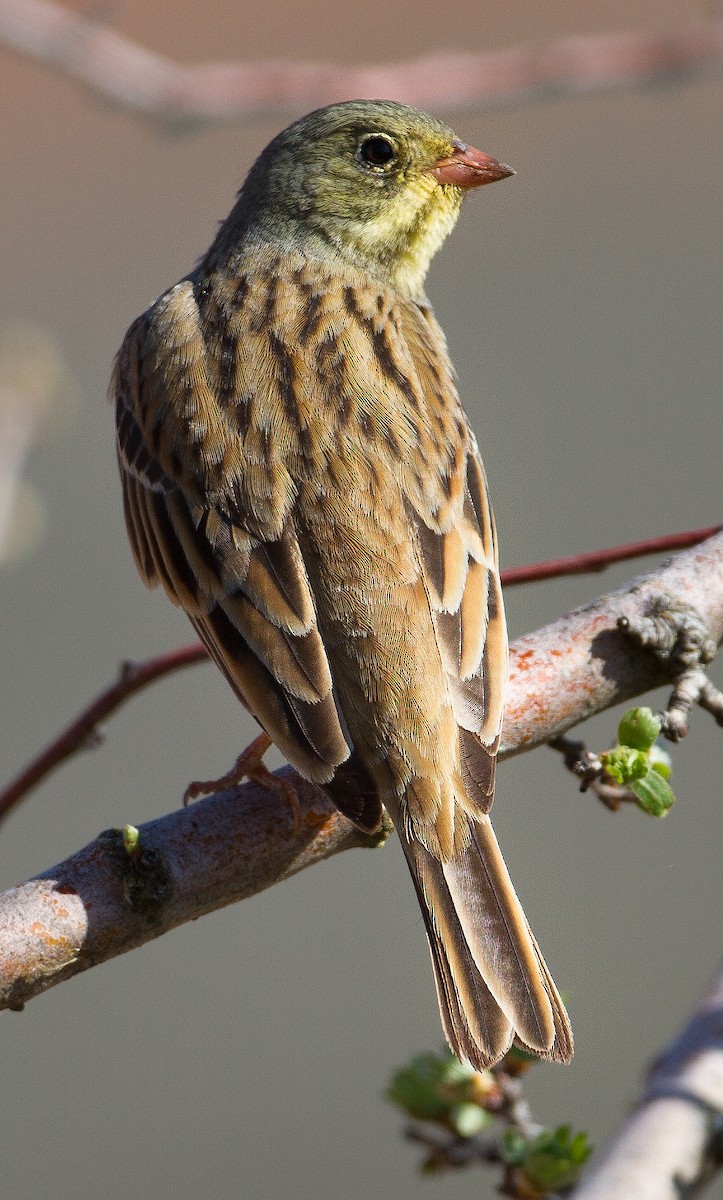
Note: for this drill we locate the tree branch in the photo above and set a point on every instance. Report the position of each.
(182, 98)
(104, 901)
(583, 663)
(673, 1142)
(101, 901)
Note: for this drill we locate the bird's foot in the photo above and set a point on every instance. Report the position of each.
(249, 765)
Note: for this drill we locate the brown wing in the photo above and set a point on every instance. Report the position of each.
(209, 509)
(458, 552)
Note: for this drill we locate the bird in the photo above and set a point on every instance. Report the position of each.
(299, 475)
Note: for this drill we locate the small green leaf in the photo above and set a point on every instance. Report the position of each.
(653, 793)
(550, 1161)
(432, 1086)
(580, 1148)
(639, 728)
(640, 765)
(514, 1146)
(416, 1089)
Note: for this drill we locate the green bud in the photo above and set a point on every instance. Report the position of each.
(467, 1120)
(131, 840)
(416, 1089)
(639, 728)
(623, 764)
(514, 1146)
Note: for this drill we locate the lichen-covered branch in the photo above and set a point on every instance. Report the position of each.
(101, 901)
(584, 662)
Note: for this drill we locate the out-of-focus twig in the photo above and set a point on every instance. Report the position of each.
(672, 1143)
(186, 97)
(33, 377)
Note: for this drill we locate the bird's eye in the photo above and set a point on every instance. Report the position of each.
(377, 151)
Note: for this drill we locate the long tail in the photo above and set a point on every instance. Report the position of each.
(492, 983)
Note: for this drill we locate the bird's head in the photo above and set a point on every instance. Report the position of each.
(376, 183)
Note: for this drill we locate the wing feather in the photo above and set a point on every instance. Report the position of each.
(458, 554)
(194, 530)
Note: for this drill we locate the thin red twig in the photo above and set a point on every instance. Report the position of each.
(598, 560)
(133, 677)
(183, 97)
(136, 676)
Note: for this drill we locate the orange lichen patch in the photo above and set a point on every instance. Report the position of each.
(523, 661)
(39, 930)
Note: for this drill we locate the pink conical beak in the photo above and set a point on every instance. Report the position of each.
(468, 168)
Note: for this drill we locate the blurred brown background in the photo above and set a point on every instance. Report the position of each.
(247, 1055)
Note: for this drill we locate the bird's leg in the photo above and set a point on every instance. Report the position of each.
(248, 765)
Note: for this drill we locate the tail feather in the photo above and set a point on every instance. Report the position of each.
(497, 934)
(492, 983)
(563, 1046)
(473, 1022)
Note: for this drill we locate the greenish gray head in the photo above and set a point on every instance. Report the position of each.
(376, 183)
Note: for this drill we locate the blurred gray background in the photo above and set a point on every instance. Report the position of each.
(247, 1054)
